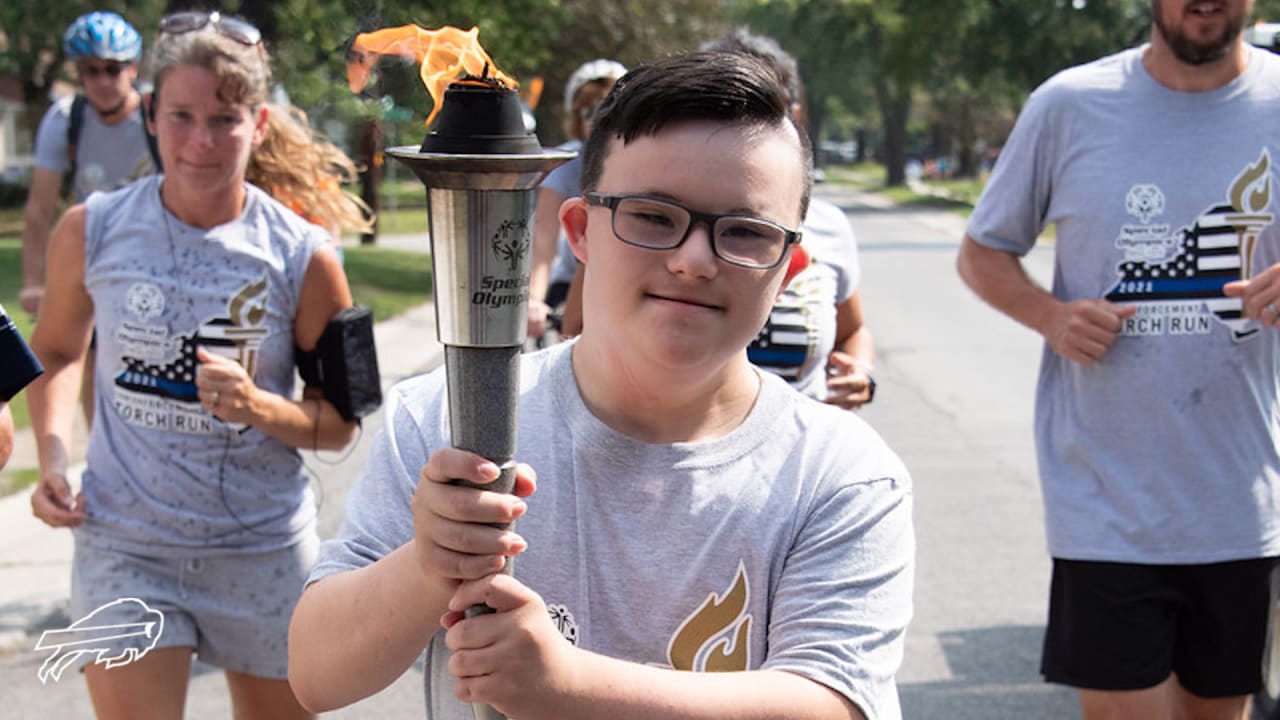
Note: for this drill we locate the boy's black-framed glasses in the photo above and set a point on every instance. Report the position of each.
(659, 224)
(242, 31)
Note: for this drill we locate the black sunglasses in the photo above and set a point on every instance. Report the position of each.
(111, 68)
(232, 27)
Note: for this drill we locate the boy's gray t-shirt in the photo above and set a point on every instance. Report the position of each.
(1165, 450)
(786, 545)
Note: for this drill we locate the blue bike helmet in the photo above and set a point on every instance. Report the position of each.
(103, 35)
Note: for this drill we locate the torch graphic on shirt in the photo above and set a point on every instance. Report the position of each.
(1250, 196)
(239, 335)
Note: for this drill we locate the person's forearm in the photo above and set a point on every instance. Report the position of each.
(999, 278)
(621, 690)
(52, 401)
(546, 238)
(539, 281)
(38, 217)
(6, 433)
(37, 223)
(354, 633)
(312, 423)
(861, 347)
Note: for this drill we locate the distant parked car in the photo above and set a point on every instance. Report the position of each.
(1264, 35)
(838, 151)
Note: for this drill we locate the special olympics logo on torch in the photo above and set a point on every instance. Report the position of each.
(511, 242)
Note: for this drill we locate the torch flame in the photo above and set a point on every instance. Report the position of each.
(446, 55)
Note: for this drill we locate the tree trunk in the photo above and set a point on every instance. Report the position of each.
(966, 160)
(895, 104)
(815, 132)
(369, 160)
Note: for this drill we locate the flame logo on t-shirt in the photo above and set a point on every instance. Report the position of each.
(715, 637)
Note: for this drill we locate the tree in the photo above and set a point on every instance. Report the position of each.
(629, 31)
(31, 46)
(851, 49)
(1012, 48)
(971, 62)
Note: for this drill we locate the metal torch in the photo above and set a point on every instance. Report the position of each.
(481, 168)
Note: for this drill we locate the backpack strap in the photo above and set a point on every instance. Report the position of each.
(76, 124)
(79, 106)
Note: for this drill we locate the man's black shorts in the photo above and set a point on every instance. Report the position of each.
(1120, 626)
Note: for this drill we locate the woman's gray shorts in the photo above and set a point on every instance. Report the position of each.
(232, 609)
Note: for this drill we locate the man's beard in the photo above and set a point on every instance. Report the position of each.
(1193, 53)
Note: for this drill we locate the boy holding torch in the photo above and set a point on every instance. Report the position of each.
(693, 513)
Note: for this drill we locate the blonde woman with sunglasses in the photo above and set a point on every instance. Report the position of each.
(193, 499)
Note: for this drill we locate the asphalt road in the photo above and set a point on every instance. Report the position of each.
(955, 400)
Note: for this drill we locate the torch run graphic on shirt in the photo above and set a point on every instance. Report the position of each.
(1175, 278)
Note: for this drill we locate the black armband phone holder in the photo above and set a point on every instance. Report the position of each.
(18, 365)
(344, 364)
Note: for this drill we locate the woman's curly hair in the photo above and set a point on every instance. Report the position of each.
(305, 170)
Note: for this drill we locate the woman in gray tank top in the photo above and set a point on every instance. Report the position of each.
(194, 506)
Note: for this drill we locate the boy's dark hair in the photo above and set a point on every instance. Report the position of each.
(767, 49)
(731, 87)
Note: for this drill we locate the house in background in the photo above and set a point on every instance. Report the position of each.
(15, 141)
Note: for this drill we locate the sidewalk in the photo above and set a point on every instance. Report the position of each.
(35, 560)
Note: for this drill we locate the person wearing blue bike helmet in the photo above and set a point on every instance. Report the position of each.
(97, 138)
(98, 134)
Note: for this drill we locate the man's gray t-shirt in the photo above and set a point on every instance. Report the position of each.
(1164, 451)
(786, 544)
(107, 156)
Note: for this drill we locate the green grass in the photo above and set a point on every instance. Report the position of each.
(868, 177)
(388, 281)
(11, 222)
(12, 481)
(958, 195)
(403, 191)
(402, 220)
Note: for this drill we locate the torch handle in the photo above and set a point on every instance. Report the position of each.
(505, 483)
(483, 387)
